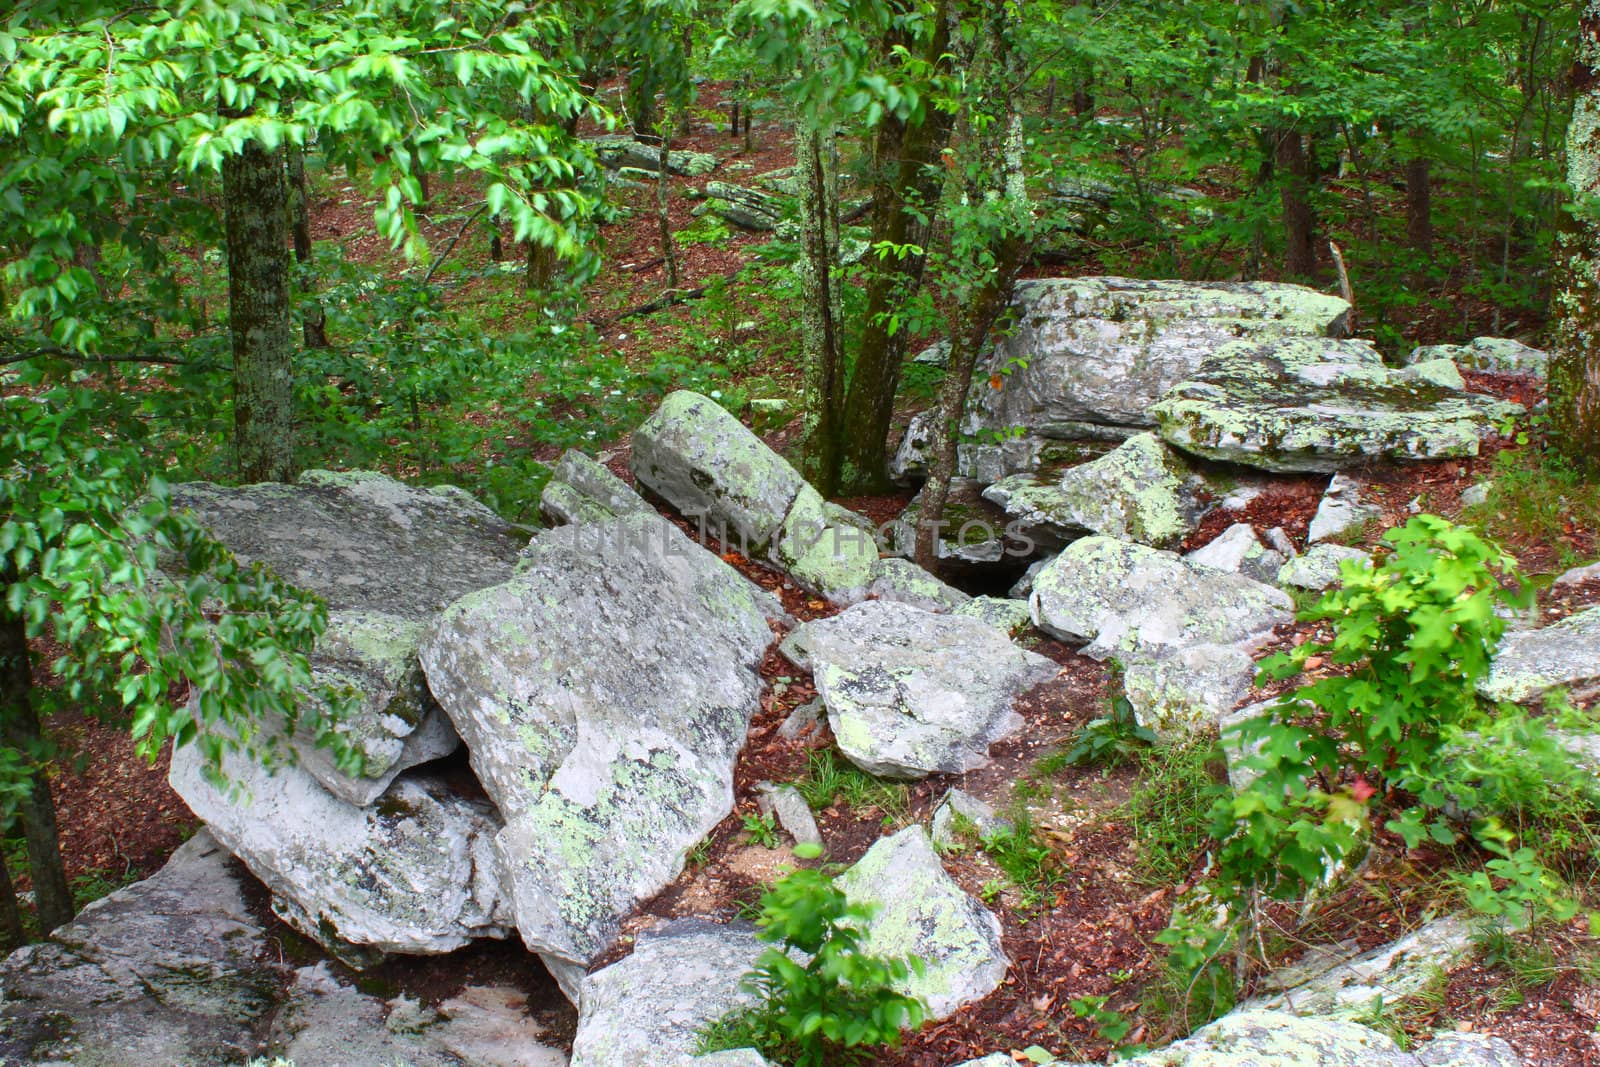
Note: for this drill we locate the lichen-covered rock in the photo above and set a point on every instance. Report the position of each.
(1456, 1049)
(1498, 355)
(617, 151)
(1239, 551)
(1007, 615)
(416, 872)
(171, 970)
(1318, 405)
(604, 693)
(1341, 508)
(903, 581)
(481, 1026)
(648, 1008)
(583, 490)
(975, 534)
(1256, 1038)
(920, 911)
(1391, 972)
(784, 803)
(909, 692)
(1177, 690)
(1122, 596)
(1321, 567)
(1530, 663)
(746, 208)
(704, 462)
(824, 551)
(1141, 491)
(385, 557)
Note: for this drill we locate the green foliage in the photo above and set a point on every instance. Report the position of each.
(761, 829)
(1112, 739)
(1536, 497)
(1031, 865)
(821, 998)
(1109, 1025)
(1168, 809)
(831, 779)
(83, 527)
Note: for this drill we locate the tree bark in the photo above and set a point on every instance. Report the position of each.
(255, 207)
(1575, 353)
(819, 341)
(20, 730)
(313, 320)
(1293, 170)
(10, 911)
(905, 184)
(1419, 205)
(669, 249)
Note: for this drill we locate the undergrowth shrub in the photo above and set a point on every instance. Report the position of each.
(820, 999)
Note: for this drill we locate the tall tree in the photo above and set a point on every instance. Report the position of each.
(1575, 356)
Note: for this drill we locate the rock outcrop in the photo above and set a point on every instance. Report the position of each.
(1238, 550)
(910, 693)
(1530, 663)
(1498, 355)
(603, 693)
(1307, 404)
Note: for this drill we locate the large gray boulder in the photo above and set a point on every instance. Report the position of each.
(1499, 355)
(604, 693)
(909, 692)
(619, 150)
(746, 208)
(1321, 567)
(581, 489)
(385, 557)
(414, 873)
(920, 911)
(1530, 663)
(1307, 404)
(1239, 550)
(1341, 509)
(1183, 632)
(705, 462)
(647, 1009)
(171, 970)
(1140, 491)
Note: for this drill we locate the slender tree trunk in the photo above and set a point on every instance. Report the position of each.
(1292, 167)
(255, 208)
(10, 911)
(819, 339)
(905, 185)
(20, 730)
(1575, 354)
(669, 248)
(313, 320)
(1419, 205)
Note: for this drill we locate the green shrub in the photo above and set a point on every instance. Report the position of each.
(820, 998)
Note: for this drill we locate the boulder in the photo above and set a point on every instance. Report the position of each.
(920, 911)
(784, 803)
(1530, 663)
(385, 557)
(1122, 596)
(604, 693)
(1350, 989)
(171, 970)
(1321, 566)
(1238, 550)
(704, 462)
(415, 872)
(1087, 353)
(583, 490)
(648, 1008)
(831, 552)
(1141, 491)
(1498, 355)
(1010, 617)
(1577, 576)
(961, 805)
(1176, 691)
(481, 1026)
(746, 208)
(904, 582)
(617, 151)
(1305, 404)
(910, 693)
(1341, 508)
(975, 535)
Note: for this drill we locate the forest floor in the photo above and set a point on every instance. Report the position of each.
(1083, 927)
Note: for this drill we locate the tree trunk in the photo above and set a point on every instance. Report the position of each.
(313, 320)
(905, 183)
(10, 911)
(256, 220)
(819, 342)
(1419, 205)
(1293, 170)
(20, 730)
(669, 249)
(1575, 353)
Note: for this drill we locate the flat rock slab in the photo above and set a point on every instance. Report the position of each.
(705, 462)
(1140, 491)
(647, 1009)
(414, 873)
(911, 693)
(385, 557)
(170, 970)
(1498, 355)
(1530, 663)
(920, 911)
(604, 694)
(1318, 405)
